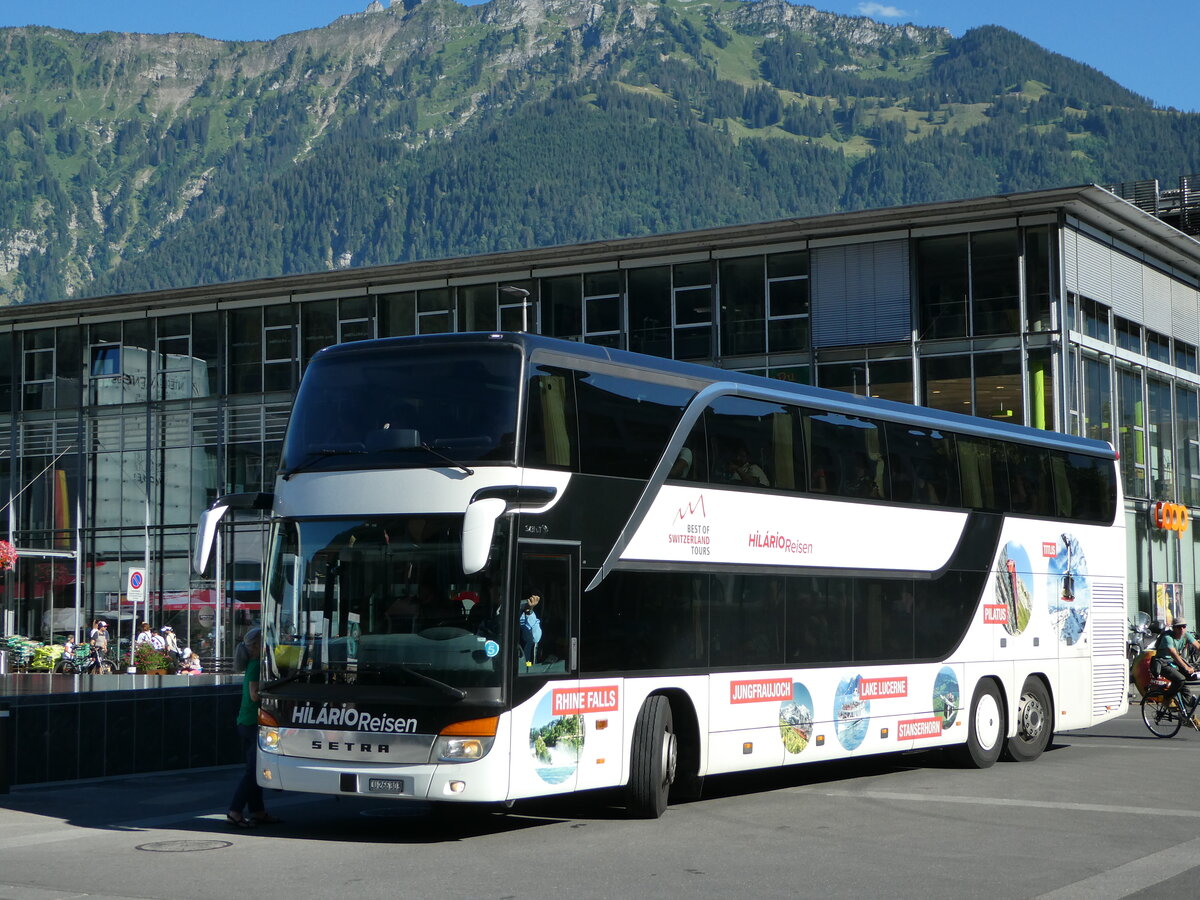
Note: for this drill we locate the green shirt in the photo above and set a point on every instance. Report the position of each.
(248, 713)
(1167, 642)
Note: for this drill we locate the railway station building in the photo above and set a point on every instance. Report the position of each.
(1075, 309)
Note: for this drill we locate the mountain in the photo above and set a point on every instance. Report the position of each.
(428, 129)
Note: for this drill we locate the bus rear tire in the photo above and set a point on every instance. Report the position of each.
(986, 729)
(1033, 723)
(652, 759)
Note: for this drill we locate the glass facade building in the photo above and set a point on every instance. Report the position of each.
(122, 418)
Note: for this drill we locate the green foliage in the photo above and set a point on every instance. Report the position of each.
(144, 162)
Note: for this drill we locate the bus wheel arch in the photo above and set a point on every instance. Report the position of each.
(1034, 721)
(653, 758)
(986, 725)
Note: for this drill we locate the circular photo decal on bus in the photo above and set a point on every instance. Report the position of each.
(1070, 590)
(851, 713)
(555, 742)
(946, 698)
(1013, 589)
(796, 719)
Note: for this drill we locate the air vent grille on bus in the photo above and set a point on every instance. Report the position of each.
(1110, 680)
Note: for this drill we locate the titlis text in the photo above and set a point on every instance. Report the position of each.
(349, 717)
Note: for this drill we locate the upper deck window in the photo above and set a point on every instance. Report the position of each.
(386, 407)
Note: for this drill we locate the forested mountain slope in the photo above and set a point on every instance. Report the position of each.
(429, 129)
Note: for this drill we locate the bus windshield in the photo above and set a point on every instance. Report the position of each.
(379, 601)
(385, 407)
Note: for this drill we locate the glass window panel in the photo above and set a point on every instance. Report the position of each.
(355, 330)
(603, 314)
(787, 334)
(846, 456)
(998, 387)
(1162, 440)
(983, 473)
(754, 444)
(397, 314)
(789, 298)
(995, 285)
(318, 324)
(624, 425)
(1097, 398)
(693, 306)
(436, 323)
(848, 377)
(245, 351)
(205, 343)
(1039, 278)
(947, 383)
(693, 275)
(787, 265)
(923, 465)
(354, 308)
(434, 300)
(650, 311)
(891, 379)
(562, 300)
(1129, 334)
(1095, 319)
(477, 307)
(1187, 442)
(693, 343)
(1131, 431)
(818, 620)
(942, 286)
(742, 305)
(746, 617)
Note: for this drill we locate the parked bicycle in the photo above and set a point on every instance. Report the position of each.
(1164, 718)
(87, 660)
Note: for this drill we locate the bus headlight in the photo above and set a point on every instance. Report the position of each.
(268, 739)
(465, 741)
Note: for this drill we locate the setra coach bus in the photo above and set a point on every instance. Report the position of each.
(505, 566)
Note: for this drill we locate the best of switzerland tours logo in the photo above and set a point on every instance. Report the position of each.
(687, 530)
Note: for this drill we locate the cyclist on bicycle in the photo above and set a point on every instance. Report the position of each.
(1168, 659)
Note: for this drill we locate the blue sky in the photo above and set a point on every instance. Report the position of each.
(1147, 50)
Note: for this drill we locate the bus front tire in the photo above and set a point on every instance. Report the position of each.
(985, 736)
(653, 758)
(1033, 723)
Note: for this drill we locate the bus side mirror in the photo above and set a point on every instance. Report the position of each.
(206, 530)
(479, 524)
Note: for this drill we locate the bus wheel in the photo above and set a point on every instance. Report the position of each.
(1033, 723)
(652, 759)
(985, 737)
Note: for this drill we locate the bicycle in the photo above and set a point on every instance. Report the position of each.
(86, 661)
(1163, 718)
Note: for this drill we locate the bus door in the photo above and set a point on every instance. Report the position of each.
(548, 729)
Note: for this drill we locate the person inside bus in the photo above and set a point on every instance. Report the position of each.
(529, 629)
(861, 482)
(1168, 661)
(682, 469)
(741, 470)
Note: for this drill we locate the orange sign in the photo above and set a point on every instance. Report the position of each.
(1169, 516)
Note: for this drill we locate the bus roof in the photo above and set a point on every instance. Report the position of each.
(782, 391)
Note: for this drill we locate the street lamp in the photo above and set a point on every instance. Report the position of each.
(523, 295)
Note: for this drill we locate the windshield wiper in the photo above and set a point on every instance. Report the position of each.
(316, 456)
(442, 456)
(448, 690)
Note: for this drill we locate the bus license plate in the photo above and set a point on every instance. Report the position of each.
(386, 786)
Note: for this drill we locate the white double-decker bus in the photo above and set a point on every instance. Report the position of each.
(506, 566)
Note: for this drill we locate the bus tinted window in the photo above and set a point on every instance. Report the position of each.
(624, 425)
(551, 430)
(818, 619)
(691, 463)
(846, 456)
(923, 465)
(1029, 486)
(754, 444)
(746, 619)
(1085, 487)
(983, 471)
(639, 621)
(883, 619)
(942, 612)
(375, 407)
